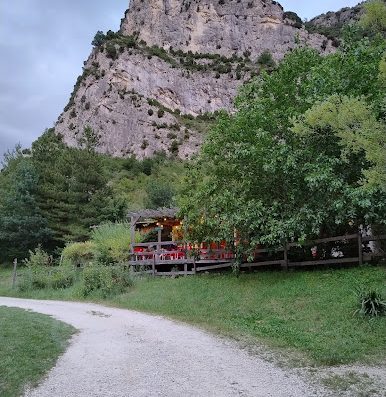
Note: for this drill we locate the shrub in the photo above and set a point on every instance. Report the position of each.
(292, 16)
(160, 113)
(40, 273)
(371, 303)
(34, 277)
(79, 253)
(112, 242)
(38, 257)
(111, 51)
(174, 147)
(62, 277)
(266, 59)
(106, 280)
(150, 112)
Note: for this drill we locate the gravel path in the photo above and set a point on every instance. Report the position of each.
(123, 353)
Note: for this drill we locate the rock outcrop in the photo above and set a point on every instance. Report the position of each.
(331, 23)
(156, 85)
(339, 18)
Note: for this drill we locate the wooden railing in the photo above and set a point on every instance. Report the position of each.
(155, 250)
(285, 263)
(199, 260)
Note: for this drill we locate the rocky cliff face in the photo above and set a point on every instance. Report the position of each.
(331, 23)
(221, 27)
(339, 18)
(156, 85)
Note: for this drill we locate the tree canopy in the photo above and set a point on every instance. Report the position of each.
(302, 156)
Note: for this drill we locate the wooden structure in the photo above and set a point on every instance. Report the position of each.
(172, 256)
(286, 263)
(162, 258)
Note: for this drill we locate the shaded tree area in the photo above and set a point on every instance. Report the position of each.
(54, 195)
(68, 190)
(303, 156)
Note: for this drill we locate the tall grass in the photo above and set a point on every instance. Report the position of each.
(112, 242)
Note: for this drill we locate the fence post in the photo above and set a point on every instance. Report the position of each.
(153, 265)
(14, 276)
(285, 260)
(360, 248)
(194, 266)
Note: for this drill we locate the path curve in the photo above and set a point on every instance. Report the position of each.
(122, 353)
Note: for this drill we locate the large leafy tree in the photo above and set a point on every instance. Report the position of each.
(272, 182)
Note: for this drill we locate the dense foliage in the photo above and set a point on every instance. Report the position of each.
(74, 193)
(55, 194)
(22, 224)
(302, 157)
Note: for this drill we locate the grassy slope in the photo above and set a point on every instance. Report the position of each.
(311, 312)
(30, 343)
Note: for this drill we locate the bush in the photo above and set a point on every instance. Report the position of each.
(38, 257)
(62, 277)
(41, 277)
(79, 253)
(112, 242)
(371, 303)
(111, 51)
(160, 113)
(34, 277)
(106, 280)
(266, 59)
(298, 23)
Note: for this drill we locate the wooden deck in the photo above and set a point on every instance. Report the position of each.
(158, 259)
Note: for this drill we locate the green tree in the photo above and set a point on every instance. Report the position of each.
(159, 194)
(355, 132)
(374, 17)
(22, 226)
(98, 39)
(256, 175)
(74, 193)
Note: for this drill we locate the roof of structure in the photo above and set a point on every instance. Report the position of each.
(154, 214)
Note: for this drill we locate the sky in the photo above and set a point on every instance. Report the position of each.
(43, 44)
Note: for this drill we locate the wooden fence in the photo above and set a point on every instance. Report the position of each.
(285, 263)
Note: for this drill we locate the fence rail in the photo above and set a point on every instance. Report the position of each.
(195, 261)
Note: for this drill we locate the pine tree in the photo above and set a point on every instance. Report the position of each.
(22, 226)
(73, 194)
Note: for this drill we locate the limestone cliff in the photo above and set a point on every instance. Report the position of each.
(331, 23)
(156, 84)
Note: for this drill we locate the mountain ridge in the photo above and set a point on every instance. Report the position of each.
(156, 85)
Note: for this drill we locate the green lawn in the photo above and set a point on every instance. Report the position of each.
(309, 312)
(30, 344)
